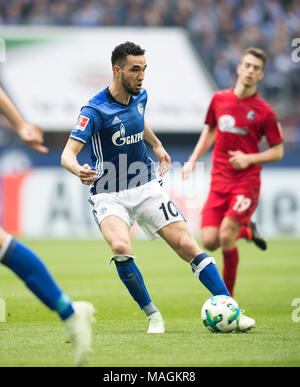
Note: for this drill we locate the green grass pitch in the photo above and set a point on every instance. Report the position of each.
(267, 284)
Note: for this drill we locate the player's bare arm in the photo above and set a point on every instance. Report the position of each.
(32, 135)
(70, 162)
(204, 143)
(164, 160)
(240, 160)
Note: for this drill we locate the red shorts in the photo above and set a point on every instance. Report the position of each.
(238, 203)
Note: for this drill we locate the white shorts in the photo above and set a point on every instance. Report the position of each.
(148, 204)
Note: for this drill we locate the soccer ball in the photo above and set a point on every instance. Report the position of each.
(220, 314)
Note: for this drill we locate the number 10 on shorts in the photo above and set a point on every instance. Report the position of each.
(169, 209)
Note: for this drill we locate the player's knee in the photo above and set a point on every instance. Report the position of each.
(120, 247)
(210, 239)
(226, 239)
(211, 245)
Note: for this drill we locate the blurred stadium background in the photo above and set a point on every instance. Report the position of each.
(55, 54)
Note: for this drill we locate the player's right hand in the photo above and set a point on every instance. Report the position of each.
(187, 169)
(87, 175)
(164, 160)
(32, 135)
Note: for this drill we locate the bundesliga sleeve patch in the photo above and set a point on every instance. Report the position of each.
(82, 122)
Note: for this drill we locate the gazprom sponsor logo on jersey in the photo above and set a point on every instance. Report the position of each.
(120, 139)
(226, 123)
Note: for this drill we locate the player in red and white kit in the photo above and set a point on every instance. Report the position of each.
(237, 119)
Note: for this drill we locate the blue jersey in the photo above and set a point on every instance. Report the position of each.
(115, 135)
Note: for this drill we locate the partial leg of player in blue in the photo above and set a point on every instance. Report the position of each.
(205, 269)
(133, 280)
(76, 316)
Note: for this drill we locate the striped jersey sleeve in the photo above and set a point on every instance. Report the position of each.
(89, 121)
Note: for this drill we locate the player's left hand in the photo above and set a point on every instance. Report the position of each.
(164, 160)
(239, 160)
(32, 135)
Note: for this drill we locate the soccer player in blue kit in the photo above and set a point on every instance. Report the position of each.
(123, 182)
(77, 316)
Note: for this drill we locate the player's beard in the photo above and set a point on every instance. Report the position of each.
(128, 88)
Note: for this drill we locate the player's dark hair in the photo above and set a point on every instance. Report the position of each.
(257, 52)
(120, 52)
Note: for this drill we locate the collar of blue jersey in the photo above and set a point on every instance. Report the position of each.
(111, 99)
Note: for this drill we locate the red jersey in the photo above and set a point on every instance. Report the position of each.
(240, 123)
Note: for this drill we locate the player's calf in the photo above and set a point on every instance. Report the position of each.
(186, 247)
(229, 232)
(180, 239)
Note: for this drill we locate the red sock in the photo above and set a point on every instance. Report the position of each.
(245, 232)
(230, 263)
